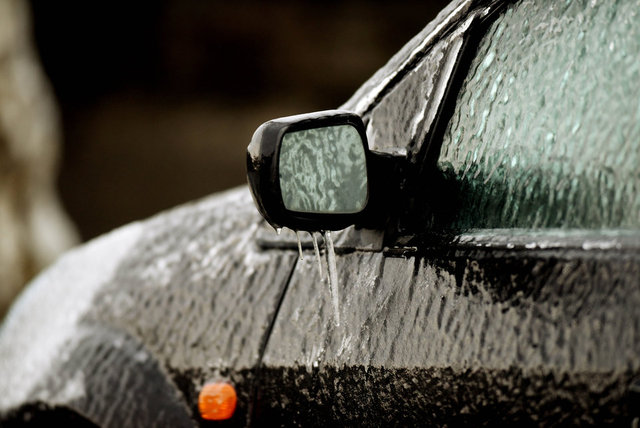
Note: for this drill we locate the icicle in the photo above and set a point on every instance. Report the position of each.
(299, 245)
(317, 251)
(333, 275)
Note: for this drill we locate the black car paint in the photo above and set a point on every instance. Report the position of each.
(443, 329)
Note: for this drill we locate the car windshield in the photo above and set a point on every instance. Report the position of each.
(546, 127)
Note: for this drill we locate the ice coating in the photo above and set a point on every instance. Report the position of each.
(323, 170)
(333, 276)
(316, 250)
(547, 123)
(27, 341)
(401, 120)
(383, 80)
(299, 246)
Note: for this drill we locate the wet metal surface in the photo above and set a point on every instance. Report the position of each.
(459, 336)
(189, 289)
(118, 369)
(348, 239)
(459, 324)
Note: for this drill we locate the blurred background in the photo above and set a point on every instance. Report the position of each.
(150, 104)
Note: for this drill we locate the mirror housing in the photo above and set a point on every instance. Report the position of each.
(311, 171)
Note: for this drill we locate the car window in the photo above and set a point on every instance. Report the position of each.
(546, 127)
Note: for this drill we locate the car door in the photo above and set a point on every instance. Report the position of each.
(505, 287)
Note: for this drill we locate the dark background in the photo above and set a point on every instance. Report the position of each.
(159, 99)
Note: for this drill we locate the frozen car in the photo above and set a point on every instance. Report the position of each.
(495, 280)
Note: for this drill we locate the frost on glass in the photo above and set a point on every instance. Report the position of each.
(323, 170)
(547, 123)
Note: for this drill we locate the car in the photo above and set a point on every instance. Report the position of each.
(495, 280)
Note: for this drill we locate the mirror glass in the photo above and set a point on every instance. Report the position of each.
(323, 170)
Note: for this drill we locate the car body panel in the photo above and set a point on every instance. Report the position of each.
(159, 307)
(493, 328)
(438, 326)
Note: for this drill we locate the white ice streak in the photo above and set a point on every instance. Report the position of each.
(317, 251)
(299, 245)
(333, 275)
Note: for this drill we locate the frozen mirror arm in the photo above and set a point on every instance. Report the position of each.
(315, 172)
(388, 181)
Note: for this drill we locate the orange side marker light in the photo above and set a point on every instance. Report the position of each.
(217, 401)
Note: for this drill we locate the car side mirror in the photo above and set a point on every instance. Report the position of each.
(311, 171)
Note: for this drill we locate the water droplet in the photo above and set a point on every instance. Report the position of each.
(299, 245)
(317, 251)
(333, 275)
